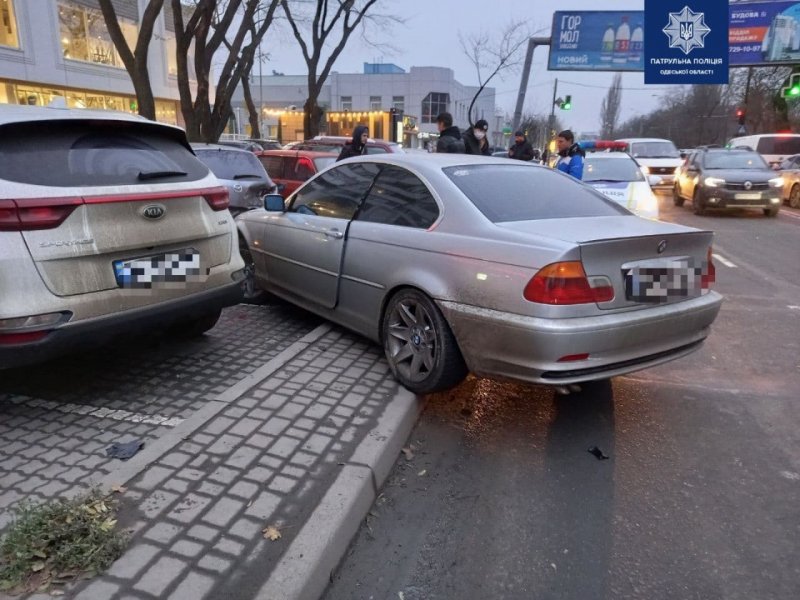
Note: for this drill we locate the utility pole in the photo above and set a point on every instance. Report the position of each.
(551, 119)
(260, 86)
(526, 71)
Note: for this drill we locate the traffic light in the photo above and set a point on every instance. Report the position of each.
(567, 103)
(793, 89)
(740, 114)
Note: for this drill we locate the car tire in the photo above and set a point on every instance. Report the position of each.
(794, 196)
(196, 327)
(420, 347)
(771, 212)
(251, 293)
(697, 204)
(676, 196)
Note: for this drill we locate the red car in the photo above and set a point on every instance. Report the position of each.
(334, 143)
(290, 168)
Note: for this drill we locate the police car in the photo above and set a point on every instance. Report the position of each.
(616, 175)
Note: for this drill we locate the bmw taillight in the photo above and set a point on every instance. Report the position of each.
(217, 198)
(566, 283)
(709, 272)
(35, 213)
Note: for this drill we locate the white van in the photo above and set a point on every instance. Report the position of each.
(660, 156)
(774, 147)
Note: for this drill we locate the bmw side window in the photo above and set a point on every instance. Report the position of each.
(399, 198)
(337, 193)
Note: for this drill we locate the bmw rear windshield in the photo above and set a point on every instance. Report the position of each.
(505, 193)
(78, 153)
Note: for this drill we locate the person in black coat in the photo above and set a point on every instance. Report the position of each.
(449, 135)
(358, 146)
(522, 149)
(475, 141)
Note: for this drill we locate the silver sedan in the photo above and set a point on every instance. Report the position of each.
(459, 263)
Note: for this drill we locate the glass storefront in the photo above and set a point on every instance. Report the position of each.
(84, 35)
(8, 24)
(23, 93)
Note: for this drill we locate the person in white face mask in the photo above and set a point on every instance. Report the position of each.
(475, 139)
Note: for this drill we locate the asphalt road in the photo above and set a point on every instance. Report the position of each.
(498, 497)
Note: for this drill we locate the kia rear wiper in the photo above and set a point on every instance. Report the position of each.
(144, 176)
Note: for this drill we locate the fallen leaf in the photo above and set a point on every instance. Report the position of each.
(56, 592)
(118, 489)
(36, 567)
(271, 533)
(408, 453)
(423, 473)
(108, 524)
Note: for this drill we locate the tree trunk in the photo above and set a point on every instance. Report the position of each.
(255, 115)
(312, 116)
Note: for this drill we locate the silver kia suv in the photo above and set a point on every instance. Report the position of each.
(108, 223)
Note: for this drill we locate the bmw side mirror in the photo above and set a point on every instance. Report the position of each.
(654, 180)
(274, 203)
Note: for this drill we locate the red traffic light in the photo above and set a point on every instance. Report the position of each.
(739, 112)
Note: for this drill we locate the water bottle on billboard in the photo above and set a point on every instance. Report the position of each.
(637, 44)
(607, 48)
(622, 42)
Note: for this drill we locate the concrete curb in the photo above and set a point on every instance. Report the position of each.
(304, 571)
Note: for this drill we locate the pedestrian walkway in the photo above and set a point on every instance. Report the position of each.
(301, 444)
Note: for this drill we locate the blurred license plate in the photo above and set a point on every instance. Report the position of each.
(165, 269)
(661, 284)
(746, 196)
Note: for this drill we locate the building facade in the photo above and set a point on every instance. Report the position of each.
(53, 49)
(420, 94)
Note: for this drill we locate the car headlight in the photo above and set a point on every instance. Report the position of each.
(777, 182)
(714, 181)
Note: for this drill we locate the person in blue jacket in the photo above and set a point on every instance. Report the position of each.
(570, 155)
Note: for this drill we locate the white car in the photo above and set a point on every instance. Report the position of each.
(617, 176)
(657, 156)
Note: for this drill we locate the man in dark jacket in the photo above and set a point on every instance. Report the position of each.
(449, 135)
(522, 149)
(359, 144)
(475, 140)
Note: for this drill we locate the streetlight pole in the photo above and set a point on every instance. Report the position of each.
(551, 119)
(260, 85)
(526, 71)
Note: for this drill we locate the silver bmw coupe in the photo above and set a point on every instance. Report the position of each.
(458, 263)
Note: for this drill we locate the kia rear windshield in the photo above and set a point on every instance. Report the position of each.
(506, 193)
(79, 153)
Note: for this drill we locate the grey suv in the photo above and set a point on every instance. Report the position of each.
(728, 178)
(108, 224)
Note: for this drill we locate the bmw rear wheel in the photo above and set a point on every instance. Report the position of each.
(422, 351)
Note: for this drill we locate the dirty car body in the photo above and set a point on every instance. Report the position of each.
(505, 269)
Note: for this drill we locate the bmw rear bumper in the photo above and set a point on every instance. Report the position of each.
(504, 345)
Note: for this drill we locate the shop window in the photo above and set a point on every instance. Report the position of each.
(399, 102)
(433, 104)
(374, 102)
(8, 24)
(84, 35)
(347, 102)
(172, 56)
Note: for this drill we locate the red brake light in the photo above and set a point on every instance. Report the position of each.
(304, 161)
(566, 283)
(35, 213)
(217, 198)
(709, 274)
(22, 337)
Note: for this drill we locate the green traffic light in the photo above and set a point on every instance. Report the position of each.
(794, 90)
(566, 106)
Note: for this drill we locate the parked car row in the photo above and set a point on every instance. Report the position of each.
(453, 263)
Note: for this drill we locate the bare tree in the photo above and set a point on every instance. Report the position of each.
(332, 24)
(239, 26)
(135, 59)
(609, 109)
(493, 54)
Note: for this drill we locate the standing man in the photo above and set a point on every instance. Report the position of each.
(570, 155)
(475, 140)
(522, 149)
(358, 145)
(449, 135)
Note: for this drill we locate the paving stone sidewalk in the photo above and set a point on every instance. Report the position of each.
(302, 444)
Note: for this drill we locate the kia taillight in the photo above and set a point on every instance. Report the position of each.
(35, 213)
(709, 273)
(22, 337)
(217, 198)
(567, 283)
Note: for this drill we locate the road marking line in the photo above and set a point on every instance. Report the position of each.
(101, 412)
(792, 307)
(786, 213)
(724, 260)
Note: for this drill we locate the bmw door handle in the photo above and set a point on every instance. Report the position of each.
(334, 233)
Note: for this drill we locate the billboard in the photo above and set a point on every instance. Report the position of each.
(764, 33)
(597, 41)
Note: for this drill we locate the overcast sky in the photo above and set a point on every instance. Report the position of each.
(430, 38)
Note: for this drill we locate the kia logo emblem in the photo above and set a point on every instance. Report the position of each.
(662, 245)
(748, 185)
(154, 211)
